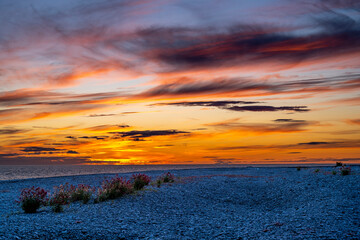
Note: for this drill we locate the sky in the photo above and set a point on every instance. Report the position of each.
(179, 82)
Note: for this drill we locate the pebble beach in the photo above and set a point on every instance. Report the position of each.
(213, 203)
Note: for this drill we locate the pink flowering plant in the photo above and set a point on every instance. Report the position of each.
(167, 177)
(140, 180)
(114, 188)
(32, 198)
(60, 197)
(81, 192)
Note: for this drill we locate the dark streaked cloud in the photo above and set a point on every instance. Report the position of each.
(139, 135)
(232, 106)
(207, 103)
(123, 126)
(268, 108)
(70, 137)
(95, 137)
(36, 149)
(316, 143)
(72, 152)
(288, 120)
(101, 115)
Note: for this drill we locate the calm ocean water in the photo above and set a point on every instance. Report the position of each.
(24, 172)
(38, 171)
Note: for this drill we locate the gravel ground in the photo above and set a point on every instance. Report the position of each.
(225, 203)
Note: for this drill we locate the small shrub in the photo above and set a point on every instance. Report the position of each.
(345, 170)
(140, 180)
(81, 193)
(298, 168)
(60, 197)
(167, 178)
(32, 198)
(113, 188)
(338, 164)
(333, 172)
(317, 170)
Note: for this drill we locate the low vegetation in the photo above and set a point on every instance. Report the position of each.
(114, 188)
(60, 197)
(344, 170)
(140, 180)
(31, 199)
(167, 178)
(81, 193)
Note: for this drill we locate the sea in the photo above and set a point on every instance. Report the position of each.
(14, 172)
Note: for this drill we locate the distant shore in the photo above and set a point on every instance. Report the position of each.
(209, 203)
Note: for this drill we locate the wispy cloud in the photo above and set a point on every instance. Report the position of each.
(34, 104)
(286, 120)
(102, 115)
(140, 135)
(263, 128)
(233, 106)
(269, 108)
(10, 131)
(107, 127)
(353, 121)
(207, 103)
(251, 87)
(38, 150)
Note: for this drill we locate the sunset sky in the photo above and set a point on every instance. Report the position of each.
(179, 81)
